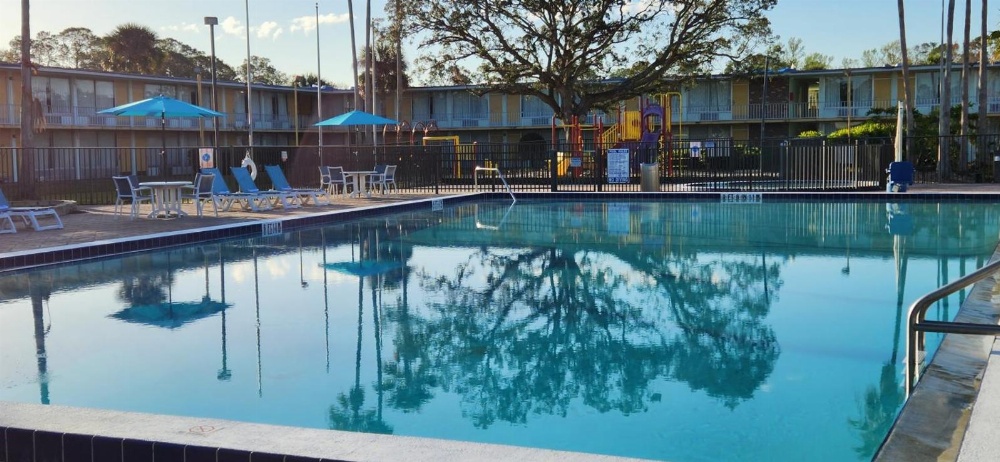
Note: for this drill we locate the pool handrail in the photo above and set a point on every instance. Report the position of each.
(917, 326)
(475, 179)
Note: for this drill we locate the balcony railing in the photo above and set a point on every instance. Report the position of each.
(81, 117)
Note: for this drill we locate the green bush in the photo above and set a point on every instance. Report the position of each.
(810, 134)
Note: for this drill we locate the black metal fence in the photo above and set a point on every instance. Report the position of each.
(84, 174)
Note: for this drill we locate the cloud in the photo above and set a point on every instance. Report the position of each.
(183, 27)
(269, 29)
(308, 23)
(231, 26)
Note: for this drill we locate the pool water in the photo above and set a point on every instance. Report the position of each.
(685, 331)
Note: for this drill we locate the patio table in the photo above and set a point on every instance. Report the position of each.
(166, 198)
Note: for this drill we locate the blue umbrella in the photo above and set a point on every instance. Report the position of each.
(356, 118)
(162, 107)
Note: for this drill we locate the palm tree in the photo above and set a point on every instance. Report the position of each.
(983, 61)
(369, 95)
(27, 118)
(944, 113)
(907, 85)
(354, 51)
(964, 121)
(132, 48)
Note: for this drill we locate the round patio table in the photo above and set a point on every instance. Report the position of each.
(166, 198)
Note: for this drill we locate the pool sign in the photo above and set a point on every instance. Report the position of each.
(618, 170)
(741, 198)
(206, 157)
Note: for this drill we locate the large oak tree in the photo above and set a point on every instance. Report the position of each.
(563, 52)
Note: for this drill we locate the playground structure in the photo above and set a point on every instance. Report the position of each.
(579, 150)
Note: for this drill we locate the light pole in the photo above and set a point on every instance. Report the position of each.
(850, 104)
(295, 100)
(201, 120)
(246, 5)
(763, 104)
(212, 21)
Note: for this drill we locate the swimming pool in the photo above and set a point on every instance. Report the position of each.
(670, 330)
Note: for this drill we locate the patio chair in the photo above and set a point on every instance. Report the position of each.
(280, 183)
(201, 192)
(128, 190)
(225, 199)
(247, 186)
(386, 180)
(376, 178)
(29, 215)
(901, 175)
(334, 180)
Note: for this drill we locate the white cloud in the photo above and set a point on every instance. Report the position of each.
(269, 29)
(308, 23)
(232, 26)
(183, 27)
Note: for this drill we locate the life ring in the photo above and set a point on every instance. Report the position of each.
(248, 163)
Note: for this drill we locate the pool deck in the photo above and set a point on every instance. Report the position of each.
(972, 435)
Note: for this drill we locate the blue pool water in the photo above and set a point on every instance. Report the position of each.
(668, 330)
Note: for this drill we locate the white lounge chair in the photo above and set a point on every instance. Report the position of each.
(29, 215)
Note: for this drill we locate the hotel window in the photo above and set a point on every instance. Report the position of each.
(470, 106)
(532, 106)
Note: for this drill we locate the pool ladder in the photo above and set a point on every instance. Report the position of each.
(918, 326)
(475, 179)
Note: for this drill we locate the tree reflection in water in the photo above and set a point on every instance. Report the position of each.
(552, 325)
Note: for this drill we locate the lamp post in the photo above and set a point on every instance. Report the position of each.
(201, 120)
(295, 101)
(246, 6)
(212, 21)
(850, 105)
(763, 104)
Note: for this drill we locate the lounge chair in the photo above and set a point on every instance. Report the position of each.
(29, 215)
(280, 183)
(201, 192)
(225, 199)
(128, 191)
(386, 180)
(247, 186)
(901, 176)
(6, 224)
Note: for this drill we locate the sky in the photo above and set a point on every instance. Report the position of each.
(285, 32)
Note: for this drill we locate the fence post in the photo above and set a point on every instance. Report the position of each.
(438, 156)
(553, 170)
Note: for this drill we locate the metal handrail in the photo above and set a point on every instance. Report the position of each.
(475, 180)
(917, 325)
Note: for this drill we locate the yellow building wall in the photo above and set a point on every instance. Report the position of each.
(741, 132)
(496, 108)
(741, 99)
(513, 107)
(882, 91)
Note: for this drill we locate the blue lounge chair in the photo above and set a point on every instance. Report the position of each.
(29, 215)
(224, 198)
(304, 195)
(247, 186)
(901, 176)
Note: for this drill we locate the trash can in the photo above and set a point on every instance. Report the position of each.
(649, 177)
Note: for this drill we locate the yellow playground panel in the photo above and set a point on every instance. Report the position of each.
(461, 154)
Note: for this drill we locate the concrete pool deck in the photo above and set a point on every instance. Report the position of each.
(964, 429)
